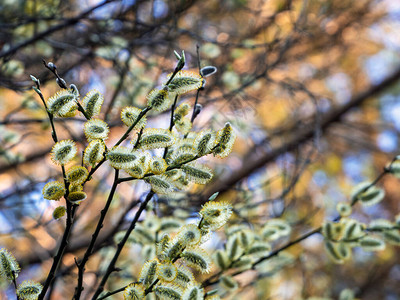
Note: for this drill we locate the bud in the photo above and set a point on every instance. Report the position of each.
(168, 292)
(367, 194)
(76, 197)
(122, 157)
(129, 116)
(234, 248)
(167, 271)
(204, 142)
(158, 165)
(51, 66)
(380, 224)
(148, 272)
(228, 283)
(96, 129)
(197, 109)
(193, 292)
(372, 244)
(190, 235)
(184, 81)
(59, 212)
(181, 60)
(244, 262)
(333, 252)
(281, 225)
(225, 139)
(61, 83)
(182, 155)
(35, 80)
(63, 152)
(392, 236)
(183, 126)
(175, 248)
(184, 276)
(344, 209)
(178, 57)
(74, 89)
(134, 291)
(53, 190)
(181, 111)
(197, 173)
(160, 184)
(221, 259)
(29, 290)
(208, 71)
(94, 152)
(61, 103)
(197, 258)
(37, 90)
(92, 103)
(77, 175)
(159, 100)
(9, 267)
(216, 214)
(154, 138)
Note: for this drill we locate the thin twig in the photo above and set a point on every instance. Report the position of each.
(121, 244)
(82, 263)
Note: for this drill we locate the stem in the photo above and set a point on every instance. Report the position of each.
(215, 278)
(70, 211)
(121, 244)
(170, 167)
(81, 265)
(198, 91)
(150, 288)
(15, 285)
(64, 243)
(82, 110)
(141, 115)
(171, 124)
(62, 84)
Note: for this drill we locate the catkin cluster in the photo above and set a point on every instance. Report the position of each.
(175, 169)
(173, 251)
(348, 233)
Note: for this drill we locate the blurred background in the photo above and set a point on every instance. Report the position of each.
(308, 85)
